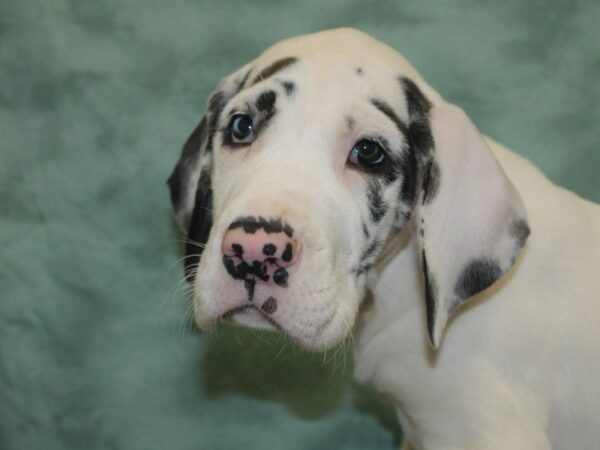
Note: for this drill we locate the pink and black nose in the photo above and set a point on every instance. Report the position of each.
(258, 250)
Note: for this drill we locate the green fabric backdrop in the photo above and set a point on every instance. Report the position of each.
(96, 98)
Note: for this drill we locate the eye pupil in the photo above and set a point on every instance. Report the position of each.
(367, 152)
(242, 129)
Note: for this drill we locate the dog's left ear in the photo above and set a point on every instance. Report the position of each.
(190, 182)
(470, 220)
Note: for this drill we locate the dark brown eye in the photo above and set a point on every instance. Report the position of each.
(366, 153)
(241, 129)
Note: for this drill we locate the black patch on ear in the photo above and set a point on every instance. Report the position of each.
(189, 157)
(431, 180)
(408, 168)
(520, 231)
(377, 205)
(420, 141)
(200, 225)
(388, 111)
(478, 275)
(430, 294)
(289, 87)
(274, 68)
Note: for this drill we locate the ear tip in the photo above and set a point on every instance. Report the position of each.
(435, 344)
(436, 333)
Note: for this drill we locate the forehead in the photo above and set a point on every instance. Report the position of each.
(338, 66)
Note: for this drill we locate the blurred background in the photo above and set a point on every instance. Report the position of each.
(97, 349)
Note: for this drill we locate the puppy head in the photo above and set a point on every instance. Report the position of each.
(308, 159)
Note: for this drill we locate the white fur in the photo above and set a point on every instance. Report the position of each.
(518, 365)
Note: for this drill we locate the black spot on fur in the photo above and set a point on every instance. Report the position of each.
(216, 104)
(370, 251)
(431, 181)
(520, 231)
(242, 82)
(420, 137)
(365, 230)
(270, 305)
(238, 249)
(280, 276)
(478, 275)
(430, 295)
(367, 259)
(269, 249)
(417, 102)
(350, 122)
(273, 68)
(289, 87)
(266, 101)
(388, 111)
(287, 253)
(377, 205)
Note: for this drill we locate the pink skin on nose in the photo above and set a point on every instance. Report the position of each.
(267, 253)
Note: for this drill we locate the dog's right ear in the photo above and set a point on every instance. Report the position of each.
(186, 174)
(190, 182)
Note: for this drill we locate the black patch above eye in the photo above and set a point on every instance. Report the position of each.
(274, 68)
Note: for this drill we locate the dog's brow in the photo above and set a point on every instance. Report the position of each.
(388, 111)
(274, 68)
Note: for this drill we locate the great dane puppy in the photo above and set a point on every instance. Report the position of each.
(327, 175)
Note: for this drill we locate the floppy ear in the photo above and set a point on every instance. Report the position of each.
(471, 221)
(191, 195)
(190, 182)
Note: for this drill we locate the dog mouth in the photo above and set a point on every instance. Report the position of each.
(252, 317)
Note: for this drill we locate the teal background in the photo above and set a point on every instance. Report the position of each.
(96, 98)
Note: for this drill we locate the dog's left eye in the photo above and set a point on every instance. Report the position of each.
(241, 129)
(366, 153)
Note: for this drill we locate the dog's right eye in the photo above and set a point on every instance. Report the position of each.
(241, 129)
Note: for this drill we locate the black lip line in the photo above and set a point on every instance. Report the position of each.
(237, 309)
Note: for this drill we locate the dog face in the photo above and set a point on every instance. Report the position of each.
(308, 159)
